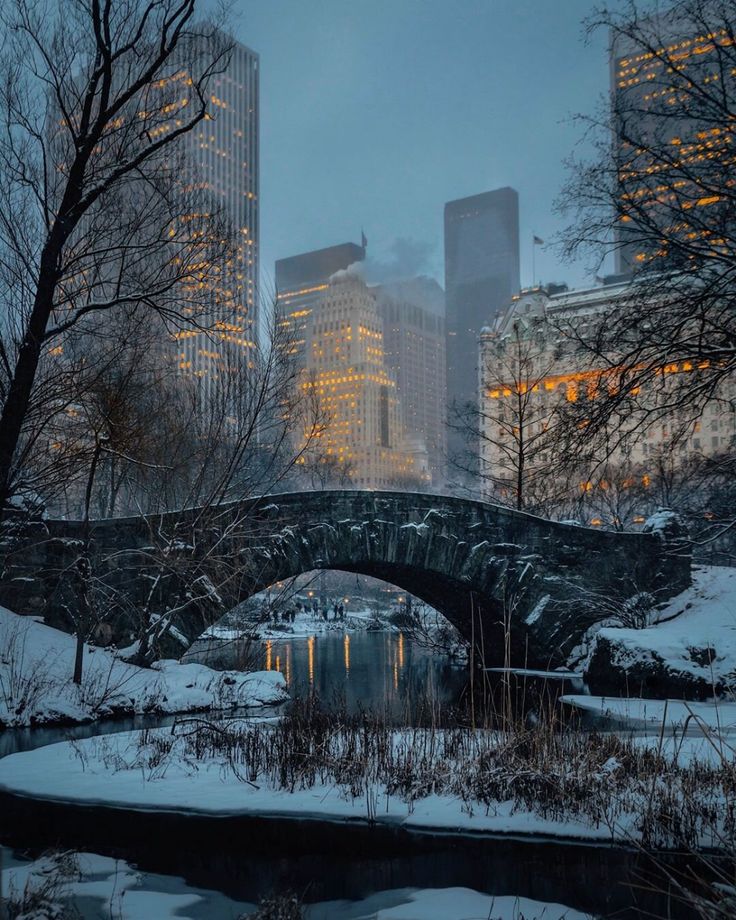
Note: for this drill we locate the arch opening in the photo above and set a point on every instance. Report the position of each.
(351, 639)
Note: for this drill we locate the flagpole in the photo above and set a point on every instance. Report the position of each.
(534, 260)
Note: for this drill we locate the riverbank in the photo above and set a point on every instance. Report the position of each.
(52, 884)
(716, 719)
(36, 687)
(664, 793)
(304, 626)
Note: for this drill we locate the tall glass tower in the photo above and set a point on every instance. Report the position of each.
(481, 275)
(222, 152)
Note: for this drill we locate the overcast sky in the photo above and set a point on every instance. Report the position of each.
(376, 112)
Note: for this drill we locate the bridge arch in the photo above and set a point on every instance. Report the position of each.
(441, 569)
(487, 569)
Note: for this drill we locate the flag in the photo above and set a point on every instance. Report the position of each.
(363, 240)
(538, 242)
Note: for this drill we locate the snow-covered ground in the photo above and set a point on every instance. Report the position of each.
(693, 642)
(51, 883)
(304, 626)
(54, 882)
(464, 904)
(37, 662)
(115, 770)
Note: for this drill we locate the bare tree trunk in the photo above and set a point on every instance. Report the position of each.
(16, 405)
(84, 571)
(83, 619)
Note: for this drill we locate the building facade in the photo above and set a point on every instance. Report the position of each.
(301, 281)
(345, 369)
(222, 156)
(413, 315)
(531, 365)
(481, 275)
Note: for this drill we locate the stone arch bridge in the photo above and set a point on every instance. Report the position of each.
(495, 573)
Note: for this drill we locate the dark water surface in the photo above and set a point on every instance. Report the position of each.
(240, 860)
(382, 671)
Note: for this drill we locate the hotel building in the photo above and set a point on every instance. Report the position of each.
(541, 327)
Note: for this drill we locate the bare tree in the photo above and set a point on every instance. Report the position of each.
(513, 424)
(617, 497)
(96, 212)
(662, 195)
(323, 471)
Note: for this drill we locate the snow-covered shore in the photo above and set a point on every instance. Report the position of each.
(37, 662)
(304, 626)
(668, 715)
(53, 883)
(151, 771)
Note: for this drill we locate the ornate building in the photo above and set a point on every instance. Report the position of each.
(530, 366)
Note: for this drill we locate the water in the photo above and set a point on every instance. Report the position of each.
(377, 670)
(343, 872)
(383, 671)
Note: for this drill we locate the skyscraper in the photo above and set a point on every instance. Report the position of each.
(222, 154)
(413, 314)
(301, 281)
(346, 371)
(672, 137)
(481, 275)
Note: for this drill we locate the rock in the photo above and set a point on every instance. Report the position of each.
(613, 670)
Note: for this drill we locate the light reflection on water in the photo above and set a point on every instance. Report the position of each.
(364, 669)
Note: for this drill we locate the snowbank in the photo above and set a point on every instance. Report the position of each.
(690, 653)
(53, 882)
(117, 771)
(36, 666)
(464, 903)
(81, 772)
(673, 715)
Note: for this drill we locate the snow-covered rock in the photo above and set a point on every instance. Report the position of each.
(668, 524)
(690, 653)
